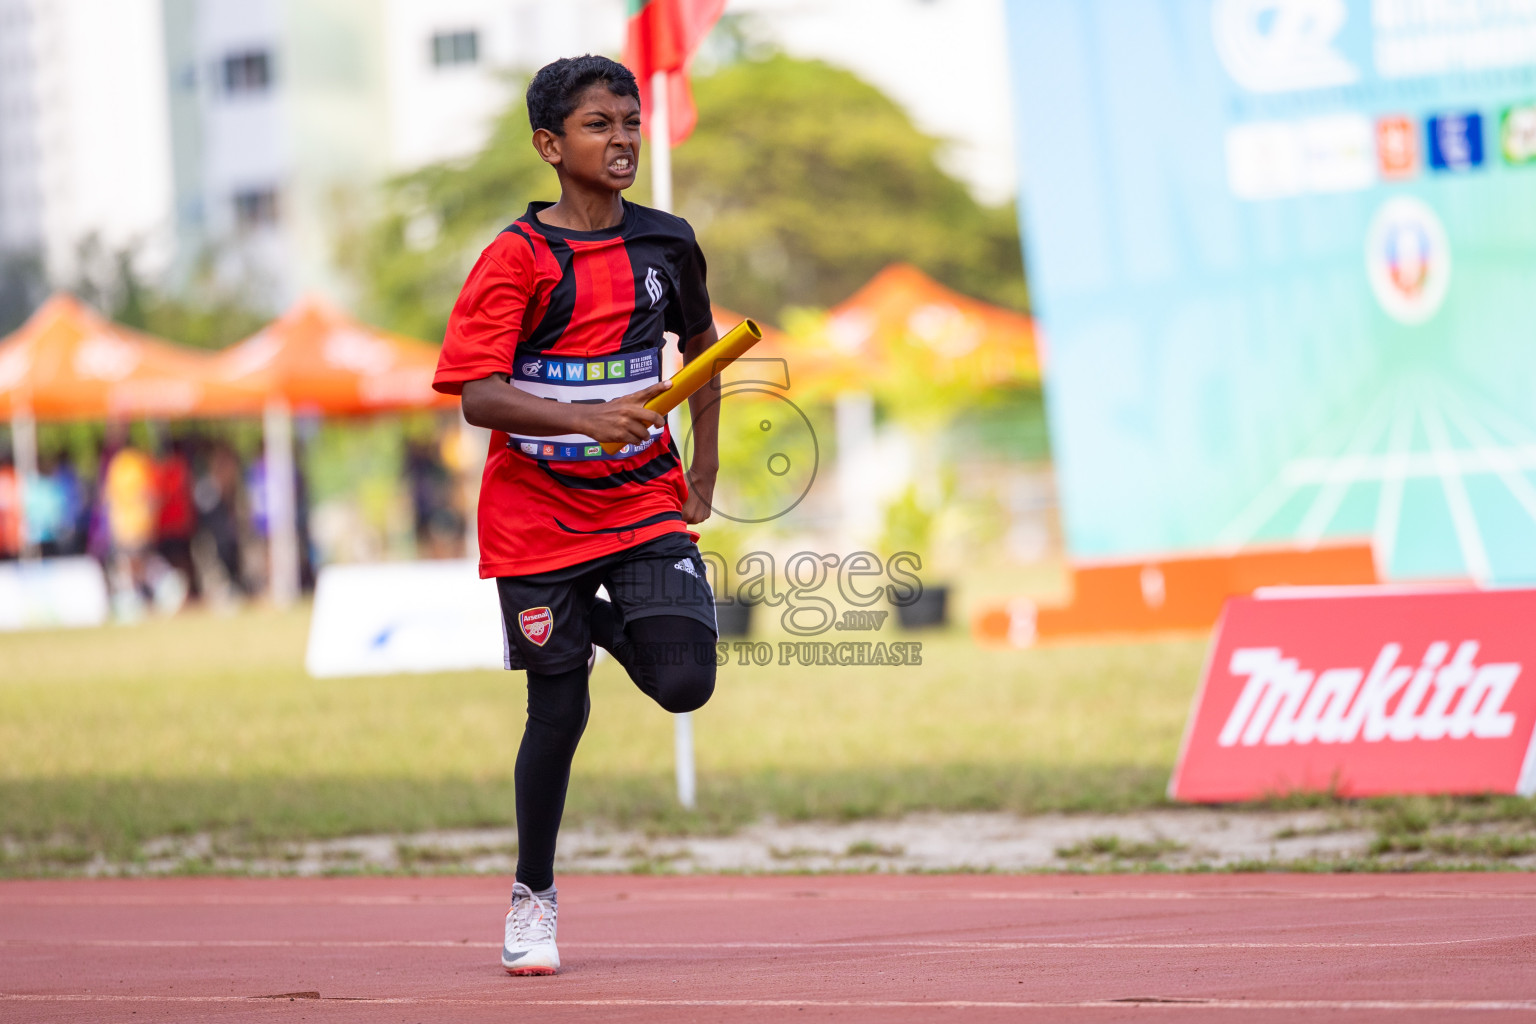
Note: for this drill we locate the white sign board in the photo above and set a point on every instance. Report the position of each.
(436, 616)
(53, 593)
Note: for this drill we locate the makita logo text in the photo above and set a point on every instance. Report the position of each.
(1283, 703)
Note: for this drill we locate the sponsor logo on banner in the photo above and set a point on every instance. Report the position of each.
(529, 447)
(1367, 694)
(1339, 153)
(1281, 159)
(532, 367)
(1397, 148)
(1517, 135)
(575, 371)
(595, 371)
(1408, 260)
(537, 624)
(641, 365)
(592, 450)
(616, 369)
(549, 451)
(1265, 160)
(1282, 45)
(1456, 142)
(554, 371)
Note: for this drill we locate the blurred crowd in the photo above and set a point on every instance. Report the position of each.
(175, 519)
(177, 515)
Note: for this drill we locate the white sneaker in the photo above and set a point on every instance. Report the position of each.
(529, 947)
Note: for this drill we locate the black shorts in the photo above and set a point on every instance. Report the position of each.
(544, 616)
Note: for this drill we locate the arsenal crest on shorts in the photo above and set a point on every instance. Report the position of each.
(537, 624)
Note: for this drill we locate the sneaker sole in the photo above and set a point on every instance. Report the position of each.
(529, 972)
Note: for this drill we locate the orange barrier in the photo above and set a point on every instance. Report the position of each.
(1173, 594)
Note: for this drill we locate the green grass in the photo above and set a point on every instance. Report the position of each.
(205, 724)
(1115, 849)
(110, 737)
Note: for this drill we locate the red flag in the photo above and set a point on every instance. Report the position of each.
(663, 35)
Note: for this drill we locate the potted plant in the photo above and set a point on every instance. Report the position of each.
(909, 536)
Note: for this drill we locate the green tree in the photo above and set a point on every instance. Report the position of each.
(412, 259)
(203, 310)
(803, 181)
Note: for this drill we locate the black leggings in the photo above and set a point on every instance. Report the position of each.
(671, 659)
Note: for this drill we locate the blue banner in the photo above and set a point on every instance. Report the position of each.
(1283, 253)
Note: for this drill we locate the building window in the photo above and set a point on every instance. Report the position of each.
(450, 48)
(255, 208)
(248, 72)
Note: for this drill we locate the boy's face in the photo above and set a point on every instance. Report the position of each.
(601, 145)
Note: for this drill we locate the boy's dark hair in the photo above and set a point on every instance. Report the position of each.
(554, 91)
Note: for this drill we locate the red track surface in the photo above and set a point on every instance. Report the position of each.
(869, 948)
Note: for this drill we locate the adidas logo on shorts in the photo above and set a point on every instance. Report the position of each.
(686, 566)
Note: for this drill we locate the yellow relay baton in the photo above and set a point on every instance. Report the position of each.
(702, 370)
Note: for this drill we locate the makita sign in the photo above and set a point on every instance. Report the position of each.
(1365, 691)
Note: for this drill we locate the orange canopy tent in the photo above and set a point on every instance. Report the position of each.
(962, 336)
(772, 357)
(68, 362)
(814, 368)
(318, 359)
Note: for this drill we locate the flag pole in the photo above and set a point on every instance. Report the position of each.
(661, 198)
(661, 144)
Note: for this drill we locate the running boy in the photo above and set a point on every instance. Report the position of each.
(555, 344)
(570, 304)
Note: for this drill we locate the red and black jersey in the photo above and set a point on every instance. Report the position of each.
(576, 316)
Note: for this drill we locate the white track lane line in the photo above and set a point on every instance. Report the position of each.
(980, 944)
(1148, 1003)
(800, 896)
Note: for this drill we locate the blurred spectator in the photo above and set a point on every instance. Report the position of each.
(217, 498)
(98, 538)
(306, 542)
(48, 522)
(10, 509)
(177, 517)
(77, 504)
(261, 517)
(128, 495)
(438, 523)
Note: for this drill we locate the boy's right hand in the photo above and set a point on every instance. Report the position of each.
(625, 420)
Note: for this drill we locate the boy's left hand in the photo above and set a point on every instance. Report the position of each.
(701, 491)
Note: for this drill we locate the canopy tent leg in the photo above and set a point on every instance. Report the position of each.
(859, 492)
(282, 506)
(24, 443)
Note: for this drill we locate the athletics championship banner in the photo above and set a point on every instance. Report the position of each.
(1365, 693)
(1283, 253)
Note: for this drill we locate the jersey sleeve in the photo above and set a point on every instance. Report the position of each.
(487, 320)
(691, 314)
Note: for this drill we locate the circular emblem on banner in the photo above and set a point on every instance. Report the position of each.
(1408, 260)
